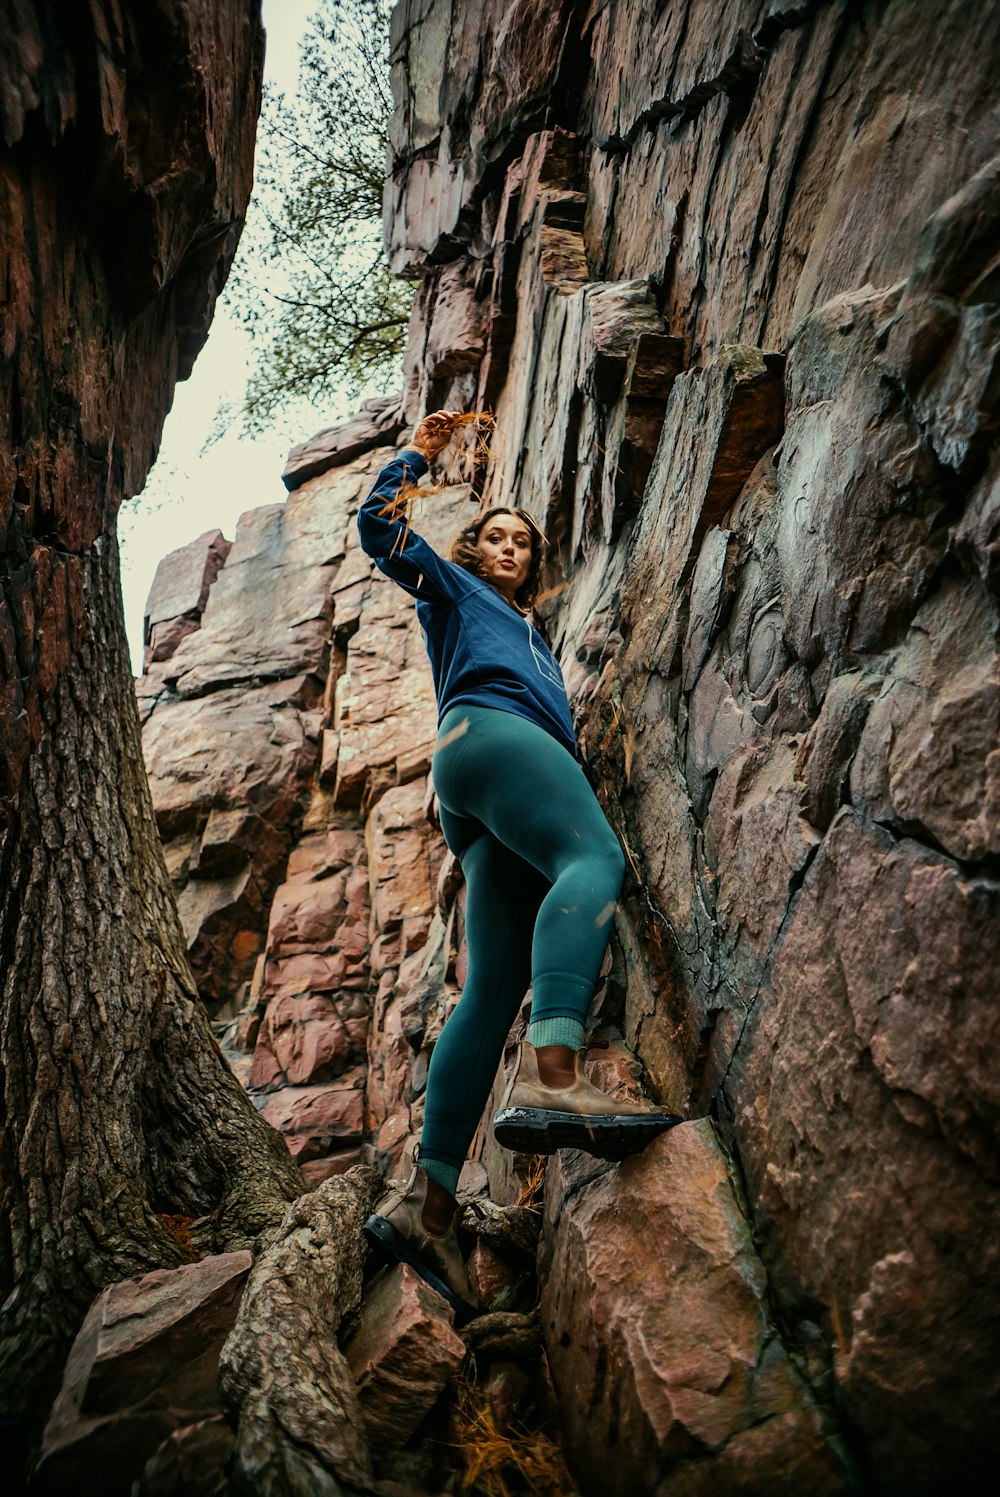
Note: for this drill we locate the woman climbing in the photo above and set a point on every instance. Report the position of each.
(543, 869)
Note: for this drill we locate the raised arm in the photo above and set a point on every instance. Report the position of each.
(384, 528)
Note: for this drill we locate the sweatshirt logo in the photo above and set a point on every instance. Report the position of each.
(543, 660)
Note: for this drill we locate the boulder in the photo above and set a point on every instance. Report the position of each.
(403, 1355)
(144, 1365)
(656, 1319)
(191, 1462)
(377, 424)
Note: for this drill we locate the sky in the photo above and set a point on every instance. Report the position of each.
(188, 491)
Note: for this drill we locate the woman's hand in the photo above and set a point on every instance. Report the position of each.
(434, 433)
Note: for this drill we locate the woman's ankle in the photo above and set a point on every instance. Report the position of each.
(562, 1031)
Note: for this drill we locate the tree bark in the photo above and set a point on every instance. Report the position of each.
(127, 1143)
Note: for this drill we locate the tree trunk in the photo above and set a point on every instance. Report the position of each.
(127, 1142)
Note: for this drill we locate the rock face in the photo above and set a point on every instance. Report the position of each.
(379, 420)
(660, 1340)
(726, 276)
(178, 599)
(289, 775)
(112, 265)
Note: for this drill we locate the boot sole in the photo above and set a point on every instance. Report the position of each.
(381, 1234)
(538, 1130)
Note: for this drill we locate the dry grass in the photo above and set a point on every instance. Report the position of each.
(533, 1182)
(633, 860)
(550, 593)
(464, 459)
(478, 426)
(515, 1463)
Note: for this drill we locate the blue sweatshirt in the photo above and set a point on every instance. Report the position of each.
(482, 651)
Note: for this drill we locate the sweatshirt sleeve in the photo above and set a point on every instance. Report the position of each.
(395, 548)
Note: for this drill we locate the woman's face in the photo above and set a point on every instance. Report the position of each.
(505, 545)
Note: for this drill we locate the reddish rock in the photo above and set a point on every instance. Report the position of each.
(313, 978)
(611, 1067)
(886, 962)
(191, 1462)
(473, 1183)
(320, 1119)
(403, 1355)
(315, 1171)
(782, 1455)
(269, 613)
(413, 1000)
(656, 1319)
(302, 1039)
(179, 593)
(227, 773)
(143, 1365)
(509, 1388)
(491, 1274)
(325, 888)
(392, 1136)
(399, 866)
(377, 424)
(255, 673)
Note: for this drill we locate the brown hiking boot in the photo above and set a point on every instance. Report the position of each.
(396, 1226)
(539, 1119)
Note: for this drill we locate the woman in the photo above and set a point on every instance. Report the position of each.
(543, 869)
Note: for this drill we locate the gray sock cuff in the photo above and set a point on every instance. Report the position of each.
(445, 1174)
(556, 1032)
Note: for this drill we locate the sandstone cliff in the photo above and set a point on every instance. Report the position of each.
(727, 277)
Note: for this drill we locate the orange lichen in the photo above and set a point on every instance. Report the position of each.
(179, 1228)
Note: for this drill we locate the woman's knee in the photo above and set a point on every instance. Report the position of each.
(613, 864)
(601, 869)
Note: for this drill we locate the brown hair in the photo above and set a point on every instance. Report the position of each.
(465, 552)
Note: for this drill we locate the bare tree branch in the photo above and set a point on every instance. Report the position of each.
(311, 283)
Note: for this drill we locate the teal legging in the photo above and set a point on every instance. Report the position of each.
(543, 871)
